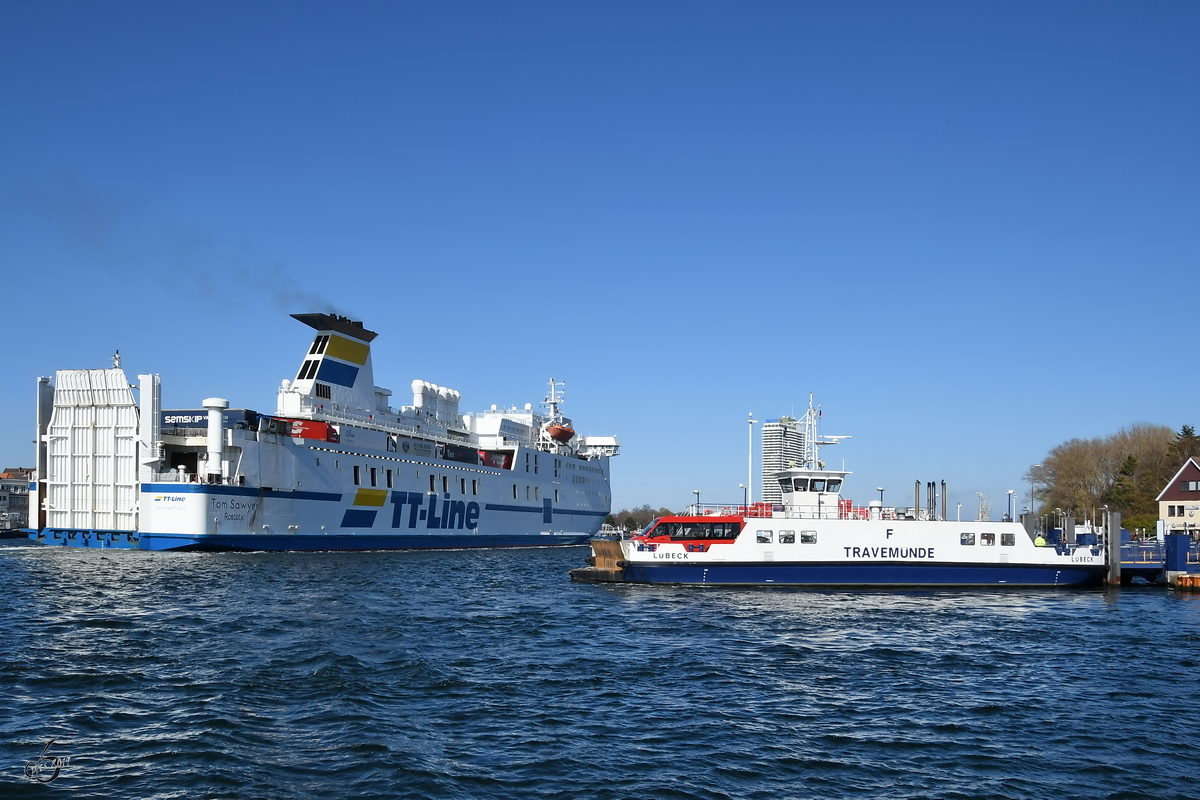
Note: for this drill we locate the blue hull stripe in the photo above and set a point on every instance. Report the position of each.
(235, 491)
(542, 510)
(300, 542)
(874, 574)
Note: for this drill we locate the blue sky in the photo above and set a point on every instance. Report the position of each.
(970, 228)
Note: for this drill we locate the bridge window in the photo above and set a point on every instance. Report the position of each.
(808, 537)
(787, 537)
(967, 539)
(833, 486)
(1008, 539)
(817, 485)
(987, 539)
(800, 484)
(763, 537)
(785, 484)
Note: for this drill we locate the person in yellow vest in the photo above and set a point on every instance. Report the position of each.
(1038, 541)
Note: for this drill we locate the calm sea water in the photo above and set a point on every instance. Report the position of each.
(490, 674)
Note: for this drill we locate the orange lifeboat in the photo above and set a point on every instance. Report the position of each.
(560, 433)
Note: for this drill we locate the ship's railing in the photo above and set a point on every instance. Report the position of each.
(836, 510)
(175, 476)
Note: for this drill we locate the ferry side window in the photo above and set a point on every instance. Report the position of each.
(764, 537)
(463, 487)
(514, 491)
(356, 478)
(374, 477)
(808, 537)
(432, 482)
(817, 485)
(787, 537)
(474, 486)
(967, 539)
(389, 479)
(1008, 539)
(800, 484)
(987, 539)
(833, 486)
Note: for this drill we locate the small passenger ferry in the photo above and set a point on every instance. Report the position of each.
(815, 537)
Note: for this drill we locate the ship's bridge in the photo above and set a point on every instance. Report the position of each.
(811, 492)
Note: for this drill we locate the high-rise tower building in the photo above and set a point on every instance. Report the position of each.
(782, 447)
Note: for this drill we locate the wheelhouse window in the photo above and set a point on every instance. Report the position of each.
(833, 486)
(787, 537)
(808, 537)
(817, 485)
(967, 539)
(763, 537)
(987, 539)
(785, 484)
(1008, 539)
(698, 530)
(800, 484)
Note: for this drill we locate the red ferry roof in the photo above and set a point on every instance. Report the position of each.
(702, 518)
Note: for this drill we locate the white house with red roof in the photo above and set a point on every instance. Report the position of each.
(1179, 502)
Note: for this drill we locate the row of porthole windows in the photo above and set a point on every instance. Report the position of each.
(786, 537)
(531, 493)
(372, 476)
(988, 539)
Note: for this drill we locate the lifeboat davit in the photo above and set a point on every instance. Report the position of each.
(560, 433)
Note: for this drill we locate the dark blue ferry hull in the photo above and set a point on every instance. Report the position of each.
(127, 540)
(864, 575)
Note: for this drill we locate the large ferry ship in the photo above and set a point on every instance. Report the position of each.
(336, 467)
(816, 537)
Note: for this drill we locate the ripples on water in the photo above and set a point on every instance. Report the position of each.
(489, 674)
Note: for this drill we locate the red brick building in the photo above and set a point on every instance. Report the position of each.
(1179, 502)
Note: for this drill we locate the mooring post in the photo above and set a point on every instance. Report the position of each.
(1112, 547)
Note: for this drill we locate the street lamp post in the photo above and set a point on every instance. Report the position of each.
(1032, 507)
(750, 460)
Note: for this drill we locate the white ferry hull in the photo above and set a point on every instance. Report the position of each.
(876, 575)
